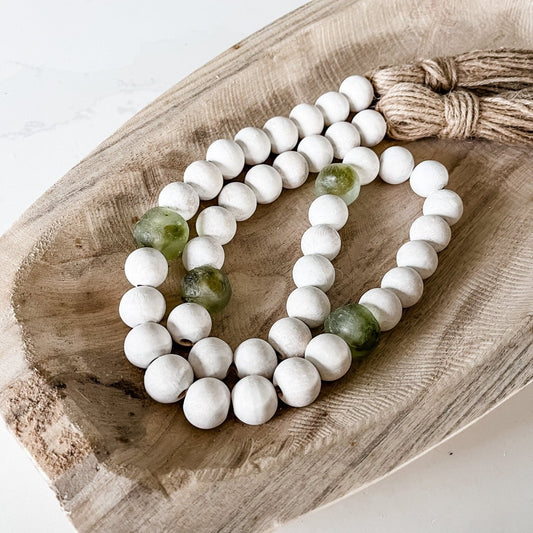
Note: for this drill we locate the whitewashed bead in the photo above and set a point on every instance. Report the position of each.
(371, 126)
(314, 270)
(328, 209)
(365, 162)
(254, 143)
(181, 197)
(188, 323)
(141, 304)
(308, 119)
(239, 200)
(283, 134)
(317, 150)
(444, 203)
(145, 342)
(396, 164)
(205, 177)
(254, 400)
(334, 107)
(228, 156)
(167, 378)
(298, 381)
(146, 266)
(428, 177)
(206, 403)
(216, 222)
(406, 283)
(343, 136)
(266, 183)
(210, 357)
(384, 305)
(293, 169)
(308, 304)
(330, 355)
(289, 337)
(359, 92)
(202, 251)
(418, 255)
(255, 357)
(321, 239)
(432, 229)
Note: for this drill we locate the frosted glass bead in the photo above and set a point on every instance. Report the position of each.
(314, 270)
(321, 239)
(239, 200)
(208, 287)
(396, 164)
(210, 357)
(206, 403)
(317, 150)
(216, 222)
(298, 381)
(343, 136)
(406, 283)
(428, 177)
(188, 323)
(365, 162)
(255, 357)
(202, 251)
(167, 378)
(205, 177)
(432, 229)
(146, 342)
(445, 204)
(334, 107)
(289, 337)
(418, 255)
(384, 305)
(308, 304)
(283, 134)
(330, 354)
(293, 169)
(141, 304)
(328, 209)
(359, 92)
(181, 197)
(266, 183)
(254, 400)
(339, 179)
(228, 156)
(308, 119)
(146, 266)
(371, 126)
(254, 143)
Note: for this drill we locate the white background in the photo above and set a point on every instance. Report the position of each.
(71, 72)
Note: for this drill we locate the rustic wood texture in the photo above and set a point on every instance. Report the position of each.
(120, 462)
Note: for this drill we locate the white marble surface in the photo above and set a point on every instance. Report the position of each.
(71, 72)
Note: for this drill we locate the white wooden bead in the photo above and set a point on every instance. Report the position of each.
(283, 134)
(321, 239)
(205, 177)
(371, 126)
(146, 342)
(255, 357)
(330, 355)
(314, 270)
(141, 304)
(334, 106)
(216, 222)
(239, 200)
(188, 323)
(167, 378)
(446, 204)
(308, 119)
(418, 255)
(293, 169)
(181, 197)
(359, 92)
(228, 156)
(202, 251)
(343, 136)
(266, 183)
(254, 143)
(432, 229)
(365, 161)
(317, 150)
(308, 304)
(384, 305)
(211, 357)
(298, 381)
(406, 283)
(254, 400)
(289, 337)
(396, 164)
(428, 177)
(146, 266)
(206, 403)
(328, 209)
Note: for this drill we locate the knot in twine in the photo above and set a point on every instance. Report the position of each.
(440, 74)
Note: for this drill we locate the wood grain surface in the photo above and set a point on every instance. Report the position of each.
(120, 462)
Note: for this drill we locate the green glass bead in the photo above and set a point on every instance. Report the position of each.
(164, 229)
(357, 326)
(339, 179)
(207, 286)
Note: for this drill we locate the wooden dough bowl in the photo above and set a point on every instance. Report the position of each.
(120, 462)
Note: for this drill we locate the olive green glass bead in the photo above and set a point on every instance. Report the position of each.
(164, 229)
(207, 286)
(339, 179)
(357, 326)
